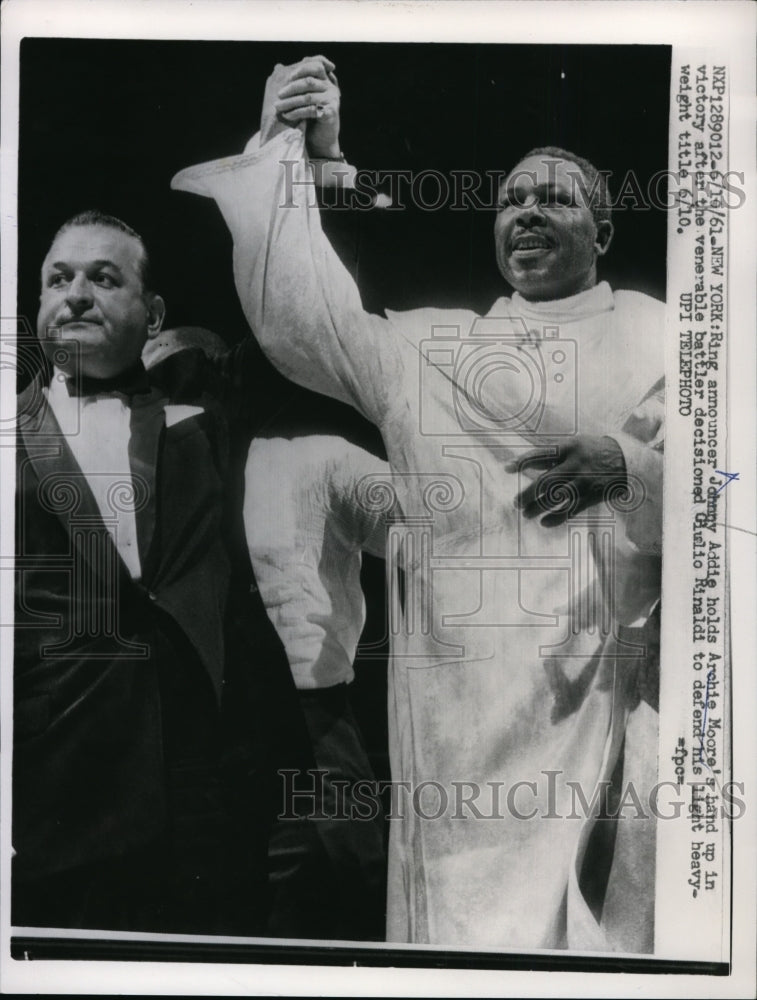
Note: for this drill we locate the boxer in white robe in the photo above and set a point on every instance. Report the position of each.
(515, 674)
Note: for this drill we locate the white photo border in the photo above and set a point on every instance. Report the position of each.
(727, 27)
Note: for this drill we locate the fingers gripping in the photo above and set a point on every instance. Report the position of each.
(310, 91)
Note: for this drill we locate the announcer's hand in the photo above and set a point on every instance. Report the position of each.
(579, 475)
(308, 92)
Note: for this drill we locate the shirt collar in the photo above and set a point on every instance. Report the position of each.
(590, 302)
(85, 388)
(64, 402)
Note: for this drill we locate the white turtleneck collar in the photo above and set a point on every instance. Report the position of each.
(587, 303)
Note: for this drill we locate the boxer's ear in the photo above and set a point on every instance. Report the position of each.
(604, 236)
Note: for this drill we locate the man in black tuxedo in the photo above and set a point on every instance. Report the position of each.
(150, 687)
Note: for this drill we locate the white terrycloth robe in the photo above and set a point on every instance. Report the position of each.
(306, 529)
(504, 665)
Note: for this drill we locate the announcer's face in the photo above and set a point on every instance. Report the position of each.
(547, 241)
(95, 314)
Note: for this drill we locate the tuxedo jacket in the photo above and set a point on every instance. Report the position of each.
(88, 776)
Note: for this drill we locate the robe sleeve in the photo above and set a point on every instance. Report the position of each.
(358, 499)
(642, 442)
(298, 298)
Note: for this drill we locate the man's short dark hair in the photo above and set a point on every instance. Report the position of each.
(597, 190)
(94, 217)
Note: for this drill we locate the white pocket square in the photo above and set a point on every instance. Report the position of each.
(177, 412)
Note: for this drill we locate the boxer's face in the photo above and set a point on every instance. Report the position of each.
(93, 301)
(546, 239)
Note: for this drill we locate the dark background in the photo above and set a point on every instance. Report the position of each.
(105, 124)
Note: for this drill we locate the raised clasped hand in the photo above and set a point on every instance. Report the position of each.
(308, 92)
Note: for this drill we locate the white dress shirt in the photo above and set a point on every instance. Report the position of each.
(98, 430)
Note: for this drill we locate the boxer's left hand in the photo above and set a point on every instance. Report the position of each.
(577, 476)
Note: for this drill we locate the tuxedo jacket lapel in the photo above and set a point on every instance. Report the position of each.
(62, 488)
(180, 451)
(148, 424)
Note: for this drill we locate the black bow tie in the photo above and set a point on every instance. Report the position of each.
(130, 382)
